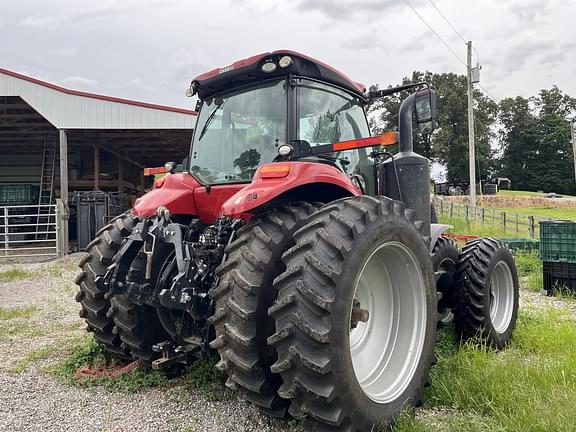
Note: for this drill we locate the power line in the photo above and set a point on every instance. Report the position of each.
(487, 92)
(434, 32)
(445, 43)
(447, 21)
(452, 27)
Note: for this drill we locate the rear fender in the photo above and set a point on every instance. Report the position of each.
(176, 193)
(325, 180)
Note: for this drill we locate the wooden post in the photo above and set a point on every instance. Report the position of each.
(504, 221)
(531, 229)
(467, 207)
(64, 190)
(483, 215)
(120, 174)
(517, 227)
(451, 210)
(96, 167)
(61, 223)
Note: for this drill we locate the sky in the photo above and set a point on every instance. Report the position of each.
(150, 50)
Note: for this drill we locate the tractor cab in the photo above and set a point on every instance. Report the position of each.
(264, 108)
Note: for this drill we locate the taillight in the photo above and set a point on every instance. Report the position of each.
(158, 183)
(274, 171)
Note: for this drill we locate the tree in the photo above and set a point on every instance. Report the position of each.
(535, 141)
(449, 143)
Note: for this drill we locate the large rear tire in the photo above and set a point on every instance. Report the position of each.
(355, 316)
(94, 301)
(488, 283)
(243, 296)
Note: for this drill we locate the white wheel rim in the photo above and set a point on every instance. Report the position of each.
(386, 350)
(501, 297)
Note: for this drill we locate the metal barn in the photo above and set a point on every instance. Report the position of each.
(59, 146)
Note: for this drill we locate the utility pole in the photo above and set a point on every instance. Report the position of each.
(471, 146)
(573, 130)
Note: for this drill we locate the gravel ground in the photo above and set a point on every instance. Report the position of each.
(31, 400)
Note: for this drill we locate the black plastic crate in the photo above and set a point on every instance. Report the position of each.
(558, 241)
(559, 277)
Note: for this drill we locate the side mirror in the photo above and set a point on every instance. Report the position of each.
(425, 110)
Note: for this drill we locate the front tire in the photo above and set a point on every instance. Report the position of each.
(488, 283)
(360, 258)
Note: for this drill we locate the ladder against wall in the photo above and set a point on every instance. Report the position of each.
(45, 219)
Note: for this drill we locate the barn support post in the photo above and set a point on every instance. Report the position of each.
(64, 215)
(61, 241)
(142, 182)
(96, 167)
(120, 174)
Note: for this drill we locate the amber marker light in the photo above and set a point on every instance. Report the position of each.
(274, 171)
(386, 139)
(154, 171)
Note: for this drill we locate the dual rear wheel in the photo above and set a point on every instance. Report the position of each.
(353, 311)
(354, 308)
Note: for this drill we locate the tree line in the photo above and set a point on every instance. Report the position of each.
(524, 139)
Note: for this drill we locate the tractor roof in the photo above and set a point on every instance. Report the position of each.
(250, 70)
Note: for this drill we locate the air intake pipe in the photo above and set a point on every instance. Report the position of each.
(407, 177)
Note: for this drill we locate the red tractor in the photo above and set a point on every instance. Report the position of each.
(300, 248)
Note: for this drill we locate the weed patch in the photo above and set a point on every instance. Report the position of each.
(529, 266)
(33, 356)
(202, 376)
(17, 328)
(89, 353)
(11, 313)
(15, 274)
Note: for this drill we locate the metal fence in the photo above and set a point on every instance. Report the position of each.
(514, 224)
(23, 233)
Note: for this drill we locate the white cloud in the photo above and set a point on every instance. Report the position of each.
(31, 21)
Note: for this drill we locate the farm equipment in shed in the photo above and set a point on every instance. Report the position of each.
(300, 248)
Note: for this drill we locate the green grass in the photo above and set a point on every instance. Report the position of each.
(529, 266)
(88, 352)
(11, 328)
(526, 193)
(202, 376)
(12, 313)
(567, 213)
(34, 356)
(520, 193)
(15, 274)
(529, 387)
(462, 226)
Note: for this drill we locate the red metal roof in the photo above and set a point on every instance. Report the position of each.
(96, 96)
